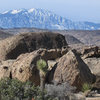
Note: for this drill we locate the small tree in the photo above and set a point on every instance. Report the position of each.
(43, 69)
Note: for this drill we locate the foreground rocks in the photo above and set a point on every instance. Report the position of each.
(19, 54)
(6, 68)
(24, 67)
(72, 69)
(12, 47)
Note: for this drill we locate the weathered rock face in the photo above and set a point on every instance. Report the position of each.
(96, 85)
(5, 68)
(12, 47)
(94, 65)
(24, 68)
(92, 51)
(72, 69)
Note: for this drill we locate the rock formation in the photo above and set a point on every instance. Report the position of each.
(6, 68)
(93, 64)
(72, 69)
(19, 54)
(12, 47)
(91, 51)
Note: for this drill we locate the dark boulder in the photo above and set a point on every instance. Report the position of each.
(12, 47)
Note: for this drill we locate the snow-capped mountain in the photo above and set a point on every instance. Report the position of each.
(40, 18)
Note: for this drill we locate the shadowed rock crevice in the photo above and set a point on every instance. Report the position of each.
(50, 74)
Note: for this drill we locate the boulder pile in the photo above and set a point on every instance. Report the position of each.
(19, 54)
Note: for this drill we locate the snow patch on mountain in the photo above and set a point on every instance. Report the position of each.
(5, 12)
(31, 10)
(15, 11)
(60, 27)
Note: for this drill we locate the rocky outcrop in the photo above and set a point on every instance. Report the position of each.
(91, 51)
(24, 68)
(94, 65)
(72, 69)
(6, 68)
(12, 47)
(64, 65)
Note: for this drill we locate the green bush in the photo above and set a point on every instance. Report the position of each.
(86, 87)
(42, 66)
(13, 89)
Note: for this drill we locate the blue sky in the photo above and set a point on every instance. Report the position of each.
(77, 10)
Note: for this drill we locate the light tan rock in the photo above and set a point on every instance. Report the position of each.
(51, 64)
(72, 69)
(77, 96)
(94, 65)
(93, 98)
(5, 68)
(24, 68)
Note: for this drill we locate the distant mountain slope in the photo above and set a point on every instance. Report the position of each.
(86, 37)
(43, 19)
(23, 30)
(72, 40)
(4, 35)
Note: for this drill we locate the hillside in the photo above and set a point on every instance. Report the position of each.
(4, 35)
(72, 40)
(72, 36)
(87, 37)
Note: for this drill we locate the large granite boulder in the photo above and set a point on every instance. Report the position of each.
(94, 66)
(72, 69)
(24, 68)
(12, 47)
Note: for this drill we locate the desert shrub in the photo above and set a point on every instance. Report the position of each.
(86, 86)
(13, 89)
(60, 91)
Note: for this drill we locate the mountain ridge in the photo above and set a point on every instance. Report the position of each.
(43, 19)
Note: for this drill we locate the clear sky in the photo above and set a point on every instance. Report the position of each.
(77, 10)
